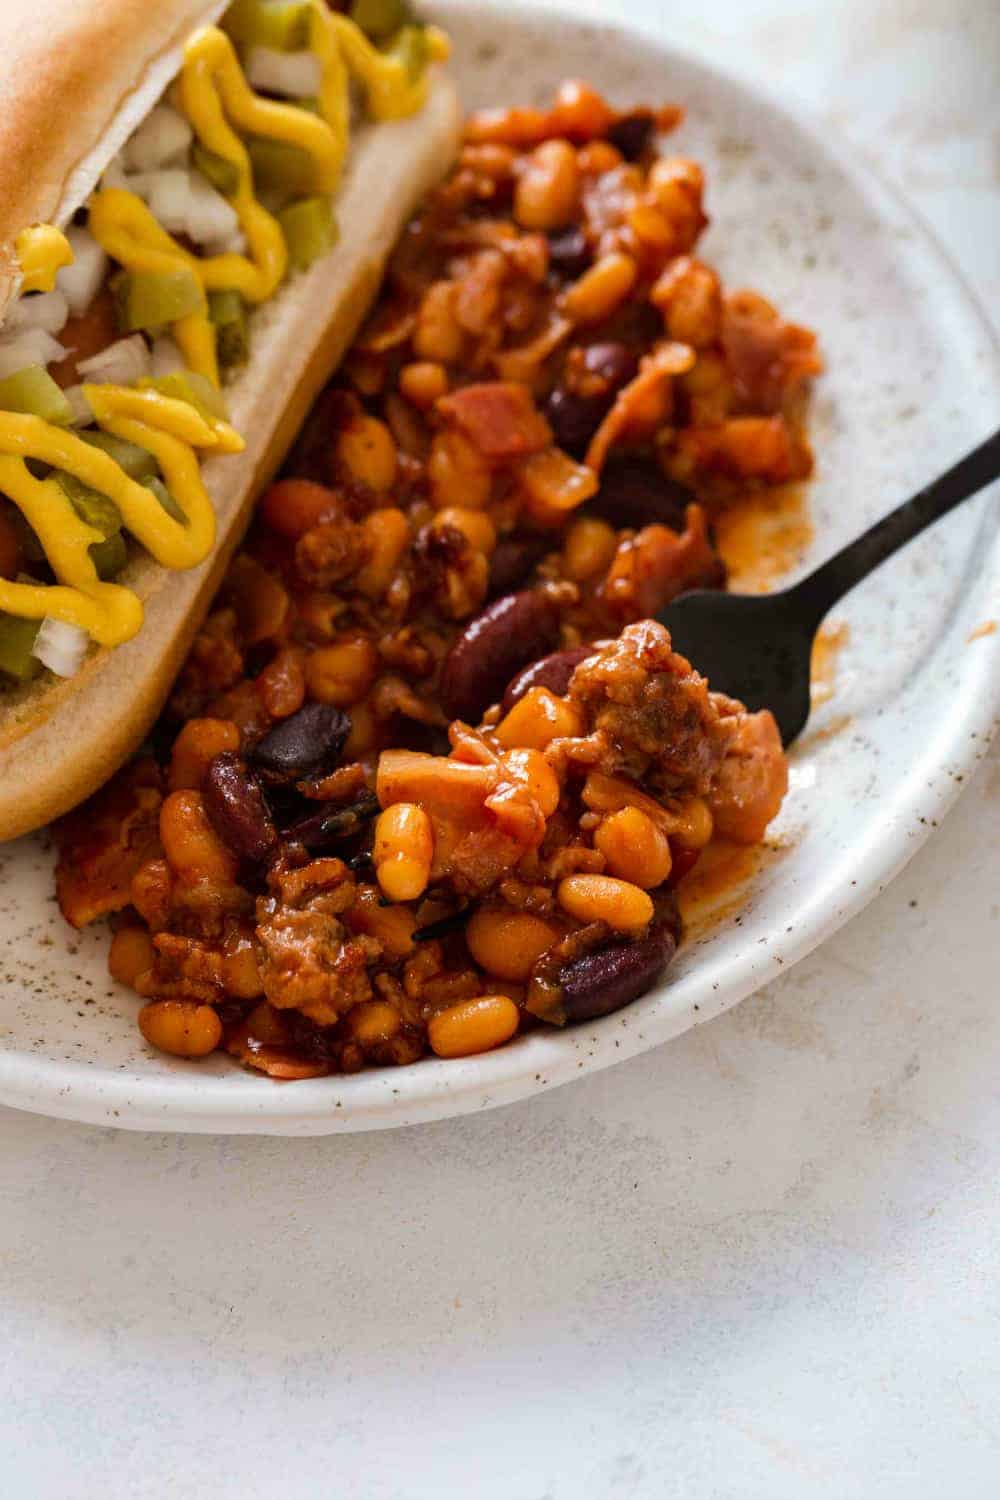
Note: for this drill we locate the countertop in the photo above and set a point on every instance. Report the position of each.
(760, 1263)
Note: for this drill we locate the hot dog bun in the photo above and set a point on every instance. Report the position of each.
(60, 740)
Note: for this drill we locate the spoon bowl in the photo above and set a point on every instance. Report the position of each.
(758, 647)
(755, 647)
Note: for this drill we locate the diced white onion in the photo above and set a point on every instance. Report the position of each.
(114, 174)
(32, 346)
(236, 244)
(79, 406)
(164, 136)
(81, 281)
(45, 310)
(121, 363)
(166, 357)
(168, 194)
(142, 183)
(60, 647)
(295, 74)
(185, 203)
(138, 182)
(210, 218)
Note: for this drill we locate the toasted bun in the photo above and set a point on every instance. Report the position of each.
(76, 79)
(60, 740)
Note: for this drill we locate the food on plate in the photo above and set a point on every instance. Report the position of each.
(192, 230)
(432, 774)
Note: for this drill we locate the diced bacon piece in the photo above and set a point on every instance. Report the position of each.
(642, 405)
(764, 448)
(499, 418)
(657, 564)
(105, 842)
(768, 358)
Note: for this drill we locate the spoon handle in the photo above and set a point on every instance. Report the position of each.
(838, 575)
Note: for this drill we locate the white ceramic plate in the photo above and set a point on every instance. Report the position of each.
(912, 382)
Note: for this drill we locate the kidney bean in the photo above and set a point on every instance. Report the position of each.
(636, 324)
(308, 743)
(613, 361)
(683, 862)
(236, 808)
(632, 133)
(333, 821)
(552, 672)
(574, 418)
(569, 253)
(514, 560)
(514, 629)
(635, 492)
(611, 977)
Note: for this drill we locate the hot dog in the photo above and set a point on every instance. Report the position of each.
(191, 230)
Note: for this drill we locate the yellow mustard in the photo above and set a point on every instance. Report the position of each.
(213, 93)
(170, 430)
(41, 251)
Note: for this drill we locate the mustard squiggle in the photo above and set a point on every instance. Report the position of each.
(169, 429)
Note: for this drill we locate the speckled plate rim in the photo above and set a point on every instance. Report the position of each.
(179, 1098)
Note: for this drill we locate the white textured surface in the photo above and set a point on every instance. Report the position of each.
(760, 1262)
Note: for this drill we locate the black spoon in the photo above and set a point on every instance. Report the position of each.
(757, 647)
